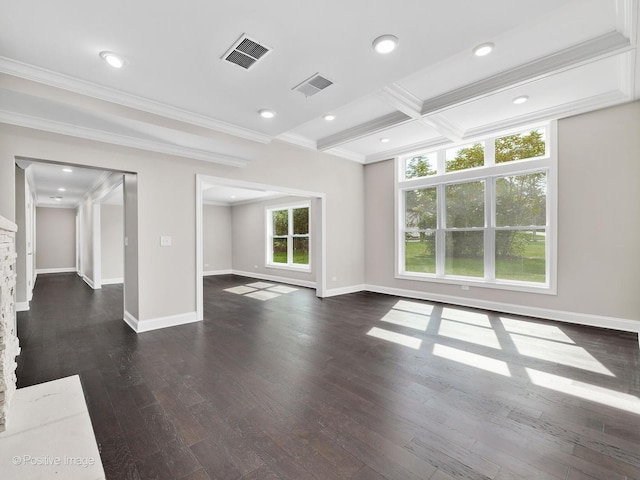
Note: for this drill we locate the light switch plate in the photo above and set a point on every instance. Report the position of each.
(165, 241)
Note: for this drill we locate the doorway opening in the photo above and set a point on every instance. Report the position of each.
(253, 201)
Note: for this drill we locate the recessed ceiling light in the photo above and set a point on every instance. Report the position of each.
(62, 189)
(113, 59)
(329, 117)
(483, 49)
(233, 196)
(58, 199)
(267, 113)
(67, 170)
(385, 140)
(385, 43)
(521, 99)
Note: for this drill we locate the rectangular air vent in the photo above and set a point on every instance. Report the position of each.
(245, 52)
(312, 85)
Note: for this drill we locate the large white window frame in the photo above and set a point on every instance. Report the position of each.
(488, 173)
(289, 237)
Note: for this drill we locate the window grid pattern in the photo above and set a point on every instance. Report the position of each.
(446, 238)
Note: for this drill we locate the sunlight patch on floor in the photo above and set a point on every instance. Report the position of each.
(593, 393)
(240, 290)
(394, 337)
(469, 333)
(464, 316)
(261, 285)
(261, 290)
(548, 332)
(562, 353)
(472, 359)
(416, 321)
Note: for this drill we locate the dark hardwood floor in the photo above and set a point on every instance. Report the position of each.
(361, 386)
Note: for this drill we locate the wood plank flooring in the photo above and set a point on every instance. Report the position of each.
(361, 386)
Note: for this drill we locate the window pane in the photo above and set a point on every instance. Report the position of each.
(521, 200)
(421, 166)
(464, 254)
(421, 210)
(301, 250)
(280, 222)
(520, 255)
(468, 156)
(301, 221)
(420, 252)
(465, 205)
(520, 146)
(279, 250)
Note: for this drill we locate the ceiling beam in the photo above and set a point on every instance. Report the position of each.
(604, 45)
(363, 130)
(401, 99)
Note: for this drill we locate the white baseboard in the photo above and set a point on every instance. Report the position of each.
(112, 281)
(217, 272)
(333, 292)
(614, 323)
(140, 326)
(89, 282)
(22, 306)
(275, 278)
(44, 271)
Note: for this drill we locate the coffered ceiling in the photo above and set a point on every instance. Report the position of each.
(176, 93)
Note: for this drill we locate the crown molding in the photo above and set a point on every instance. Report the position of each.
(77, 131)
(596, 102)
(347, 154)
(296, 139)
(401, 99)
(626, 18)
(364, 129)
(444, 126)
(590, 50)
(414, 147)
(66, 82)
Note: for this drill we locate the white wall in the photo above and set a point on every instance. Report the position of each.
(167, 276)
(56, 239)
(216, 239)
(112, 243)
(249, 239)
(598, 233)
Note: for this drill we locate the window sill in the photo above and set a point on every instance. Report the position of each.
(293, 268)
(527, 287)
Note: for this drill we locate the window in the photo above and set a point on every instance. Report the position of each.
(288, 242)
(482, 213)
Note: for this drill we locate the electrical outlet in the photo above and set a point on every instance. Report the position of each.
(464, 287)
(165, 241)
(334, 279)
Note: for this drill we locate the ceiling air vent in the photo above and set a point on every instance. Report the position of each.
(245, 52)
(312, 85)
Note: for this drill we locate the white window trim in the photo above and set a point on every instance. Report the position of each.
(547, 163)
(269, 235)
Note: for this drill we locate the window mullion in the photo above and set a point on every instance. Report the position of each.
(489, 232)
(440, 233)
(290, 238)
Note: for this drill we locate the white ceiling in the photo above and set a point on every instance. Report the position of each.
(48, 178)
(567, 56)
(226, 195)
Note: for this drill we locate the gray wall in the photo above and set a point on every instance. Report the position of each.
(167, 276)
(598, 217)
(216, 238)
(55, 238)
(249, 239)
(112, 242)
